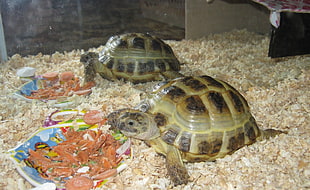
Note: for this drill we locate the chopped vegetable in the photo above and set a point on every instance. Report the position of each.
(93, 116)
(50, 75)
(79, 183)
(83, 153)
(67, 85)
(66, 76)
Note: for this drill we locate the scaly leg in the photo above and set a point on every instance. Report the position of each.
(175, 166)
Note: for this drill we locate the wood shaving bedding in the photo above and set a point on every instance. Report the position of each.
(277, 91)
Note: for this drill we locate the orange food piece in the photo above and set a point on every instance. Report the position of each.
(83, 156)
(88, 85)
(66, 76)
(82, 92)
(63, 171)
(110, 153)
(105, 174)
(50, 75)
(93, 116)
(79, 183)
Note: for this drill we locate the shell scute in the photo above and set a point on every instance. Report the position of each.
(237, 102)
(194, 105)
(167, 50)
(147, 67)
(173, 93)
(212, 82)
(160, 65)
(217, 102)
(236, 141)
(185, 141)
(138, 43)
(160, 119)
(120, 67)
(156, 45)
(250, 132)
(130, 68)
(122, 44)
(194, 84)
(169, 136)
(209, 144)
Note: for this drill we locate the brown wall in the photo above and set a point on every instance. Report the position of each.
(220, 16)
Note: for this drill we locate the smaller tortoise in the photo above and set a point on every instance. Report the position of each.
(191, 119)
(133, 57)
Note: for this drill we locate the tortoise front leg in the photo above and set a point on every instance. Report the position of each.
(89, 59)
(175, 166)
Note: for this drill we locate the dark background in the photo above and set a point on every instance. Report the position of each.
(46, 26)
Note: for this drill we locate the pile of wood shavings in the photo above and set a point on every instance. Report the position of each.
(277, 91)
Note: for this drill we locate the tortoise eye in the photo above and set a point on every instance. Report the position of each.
(131, 123)
(128, 127)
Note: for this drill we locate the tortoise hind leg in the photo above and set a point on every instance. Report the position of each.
(171, 74)
(175, 166)
(268, 133)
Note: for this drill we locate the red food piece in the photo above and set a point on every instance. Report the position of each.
(50, 75)
(92, 117)
(82, 92)
(79, 183)
(66, 76)
(105, 174)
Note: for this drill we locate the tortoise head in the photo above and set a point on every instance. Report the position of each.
(134, 123)
(89, 59)
(86, 57)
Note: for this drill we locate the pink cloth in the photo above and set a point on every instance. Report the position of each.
(277, 6)
(302, 6)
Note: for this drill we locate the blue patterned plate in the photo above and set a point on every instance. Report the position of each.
(51, 136)
(36, 83)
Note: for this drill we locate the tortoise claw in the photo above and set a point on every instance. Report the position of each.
(178, 175)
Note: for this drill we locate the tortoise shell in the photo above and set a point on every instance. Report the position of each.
(203, 117)
(191, 119)
(134, 57)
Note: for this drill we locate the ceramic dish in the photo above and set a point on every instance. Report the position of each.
(51, 134)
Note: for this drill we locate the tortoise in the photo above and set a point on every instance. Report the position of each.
(134, 57)
(191, 119)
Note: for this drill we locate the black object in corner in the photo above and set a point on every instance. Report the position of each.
(292, 37)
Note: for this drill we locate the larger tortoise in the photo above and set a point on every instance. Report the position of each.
(134, 57)
(191, 119)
